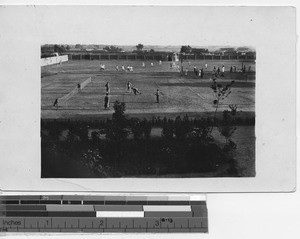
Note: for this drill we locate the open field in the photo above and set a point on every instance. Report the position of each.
(178, 94)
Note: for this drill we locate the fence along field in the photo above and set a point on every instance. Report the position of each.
(188, 94)
(156, 56)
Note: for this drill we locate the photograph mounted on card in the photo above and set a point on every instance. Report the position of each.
(149, 106)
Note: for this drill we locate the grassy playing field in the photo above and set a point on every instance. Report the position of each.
(178, 94)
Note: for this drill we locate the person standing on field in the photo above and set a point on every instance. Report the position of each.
(223, 71)
(106, 101)
(128, 86)
(157, 96)
(214, 73)
(55, 104)
(107, 88)
(195, 70)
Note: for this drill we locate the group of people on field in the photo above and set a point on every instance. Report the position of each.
(128, 68)
(233, 69)
(218, 72)
(199, 72)
(129, 89)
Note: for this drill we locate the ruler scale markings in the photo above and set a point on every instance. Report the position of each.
(119, 214)
(155, 214)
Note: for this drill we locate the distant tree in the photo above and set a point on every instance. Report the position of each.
(139, 47)
(59, 48)
(112, 49)
(151, 51)
(185, 49)
(78, 46)
(67, 47)
(199, 50)
(55, 48)
(107, 48)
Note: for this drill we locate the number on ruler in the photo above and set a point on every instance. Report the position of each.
(169, 220)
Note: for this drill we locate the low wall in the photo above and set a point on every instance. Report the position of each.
(153, 57)
(53, 60)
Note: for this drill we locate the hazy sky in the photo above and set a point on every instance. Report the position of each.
(120, 25)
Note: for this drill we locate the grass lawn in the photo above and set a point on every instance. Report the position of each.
(178, 94)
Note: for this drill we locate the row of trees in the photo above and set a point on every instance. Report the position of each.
(182, 148)
(187, 49)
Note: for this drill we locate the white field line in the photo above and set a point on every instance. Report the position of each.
(203, 98)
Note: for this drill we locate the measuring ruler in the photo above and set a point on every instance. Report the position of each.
(86, 213)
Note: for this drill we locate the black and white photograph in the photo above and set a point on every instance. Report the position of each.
(173, 100)
(148, 98)
(147, 110)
